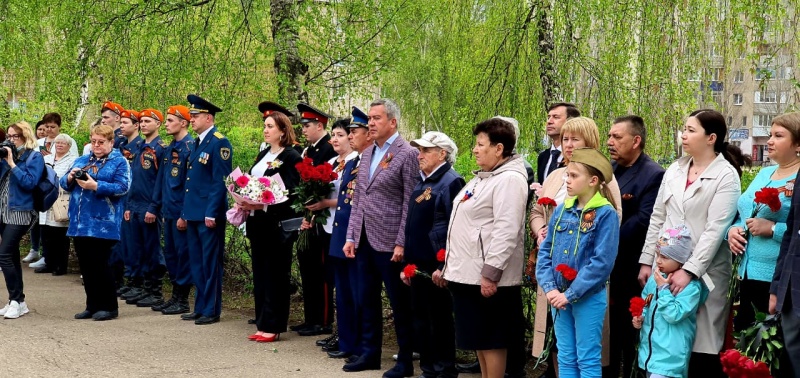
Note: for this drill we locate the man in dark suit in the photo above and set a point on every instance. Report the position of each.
(639, 179)
(317, 282)
(204, 207)
(388, 173)
(784, 292)
(551, 158)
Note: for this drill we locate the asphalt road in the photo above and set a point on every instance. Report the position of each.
(49, 342)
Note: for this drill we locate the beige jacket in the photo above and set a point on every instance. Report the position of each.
(487, 231)
(707, 208)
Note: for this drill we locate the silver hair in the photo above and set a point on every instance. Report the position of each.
(392, 110)
(450, 157)
(63, 138)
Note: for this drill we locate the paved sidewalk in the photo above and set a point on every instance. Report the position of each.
(48, 342)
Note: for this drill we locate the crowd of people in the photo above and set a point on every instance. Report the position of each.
(449, 253)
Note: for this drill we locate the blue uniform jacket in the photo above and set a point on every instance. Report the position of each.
(129, 149)
(584, 239)
(144, 173)
(209, 164)
(344, 204)
(169, 191)
(98, 213)
(669, 328)
(23, 179)
(429, 214)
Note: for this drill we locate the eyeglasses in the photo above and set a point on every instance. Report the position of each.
(98, 142)
(13, 136)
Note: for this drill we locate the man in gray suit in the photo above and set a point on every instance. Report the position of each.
(388, 173)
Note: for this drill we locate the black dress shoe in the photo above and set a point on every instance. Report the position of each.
(362, 364)
(105, 315)
(190, 316)
(339, 354)
(332, 346)
(175, 309)
(44, 269)
(399, 371)
(251, 321)
(84, 315)
(205, 320)
(325, 341)
(59, 272)
(351, 359)
(315, 330)
(298, 327)
(474, 367)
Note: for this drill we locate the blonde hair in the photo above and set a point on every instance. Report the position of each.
(104, 131)
(603, 188)
(791, 122)
(585, 127)
(24, 129)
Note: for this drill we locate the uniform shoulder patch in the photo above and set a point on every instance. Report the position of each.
(225, 153)
(219, 135)
(162, 144)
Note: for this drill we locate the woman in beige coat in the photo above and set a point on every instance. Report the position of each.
(576, 133)
(700, 191)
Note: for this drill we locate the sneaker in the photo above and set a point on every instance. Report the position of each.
(5, 309)
(38, 264)
(32, 256)
(15, 310)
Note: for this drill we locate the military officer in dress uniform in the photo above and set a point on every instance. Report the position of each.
(345, 269)
(316, 279)
(204, 207)
(169, 194)
(129, 146)
(141, 210)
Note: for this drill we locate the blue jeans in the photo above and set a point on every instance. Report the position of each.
(579, 336)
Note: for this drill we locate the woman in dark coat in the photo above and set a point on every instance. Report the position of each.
(270, 242)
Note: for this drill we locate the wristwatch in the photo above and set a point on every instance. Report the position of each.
(773, 229)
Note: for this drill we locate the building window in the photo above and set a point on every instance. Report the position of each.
(717, 96)
(695, 76)
(765, 74)
(744, 121)
(737, 98)
(716, 74)
(765, 97)
(730, 121)
(762, 120)
(738, 77)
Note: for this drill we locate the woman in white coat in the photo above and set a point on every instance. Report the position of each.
(700, 190)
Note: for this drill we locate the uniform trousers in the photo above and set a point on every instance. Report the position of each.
(272, 264)
(317, 280)
(348, 322)
(206, 254)
(98, 279)
(434, 327)
(176, 253)
(129, 257)
(145, 240)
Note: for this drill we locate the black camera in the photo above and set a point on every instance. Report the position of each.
(4, 152)
(81, 175)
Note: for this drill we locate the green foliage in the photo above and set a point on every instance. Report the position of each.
(748, 175)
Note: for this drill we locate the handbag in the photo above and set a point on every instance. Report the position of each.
(289, 228)
(60, 208)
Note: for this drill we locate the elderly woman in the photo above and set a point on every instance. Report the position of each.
(485, 248)
(97, 183)
(700, 191)
(20, 170)
(426, 234)
(54, 232)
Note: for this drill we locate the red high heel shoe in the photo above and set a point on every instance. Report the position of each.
(254, 337)
(269, 339)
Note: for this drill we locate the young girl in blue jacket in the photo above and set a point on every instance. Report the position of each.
(668, 322)
(583, 237)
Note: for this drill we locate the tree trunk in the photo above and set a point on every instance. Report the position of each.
(289, 67)
(547, 74)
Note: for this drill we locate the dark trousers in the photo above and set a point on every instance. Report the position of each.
(56, 243)
(145, 240)
(375, 267)
(317, 280)
(624, 337)
(751, 293)
(704, 365)
(790, 324)
(206, 250)
(36, 238)
(10, 261)
(176, 253)
(98, 279)
(129, 257)
(348, 322)
(434, 327)
(272, 264)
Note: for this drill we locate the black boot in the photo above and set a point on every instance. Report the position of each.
(126, 287)
(143, 293)
(175, 292)
(136, 289)
(181, 305)
(155, 298)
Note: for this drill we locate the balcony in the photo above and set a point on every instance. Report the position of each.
(761, 131)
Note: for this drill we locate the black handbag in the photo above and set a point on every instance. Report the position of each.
(289, 228)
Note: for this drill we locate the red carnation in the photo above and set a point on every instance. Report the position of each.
(410, 271)
(242, 181)
(567, 272)
(637, 306)
(441, 255)
(546, 201)
(769, 197)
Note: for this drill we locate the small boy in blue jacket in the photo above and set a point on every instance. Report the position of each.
(668, 322)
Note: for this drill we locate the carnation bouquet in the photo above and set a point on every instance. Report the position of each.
(758, 351)
(316, 183)
(251, 190)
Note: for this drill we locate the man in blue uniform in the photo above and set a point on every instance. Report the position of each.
(169, 194)
(204, 207)
(111, 115)
(141, 210)
(129, 146)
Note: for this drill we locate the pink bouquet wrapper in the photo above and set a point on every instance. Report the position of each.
(279, 197)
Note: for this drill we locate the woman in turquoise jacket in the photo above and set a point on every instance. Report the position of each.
(762, 244)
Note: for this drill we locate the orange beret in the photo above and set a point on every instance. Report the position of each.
(132, 114)
(180, 111)
(152, 113)
(112, 106)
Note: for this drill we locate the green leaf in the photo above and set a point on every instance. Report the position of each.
(764, 335)
(773, 331)
(760, 316)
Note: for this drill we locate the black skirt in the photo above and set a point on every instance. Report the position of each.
(486, 323)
